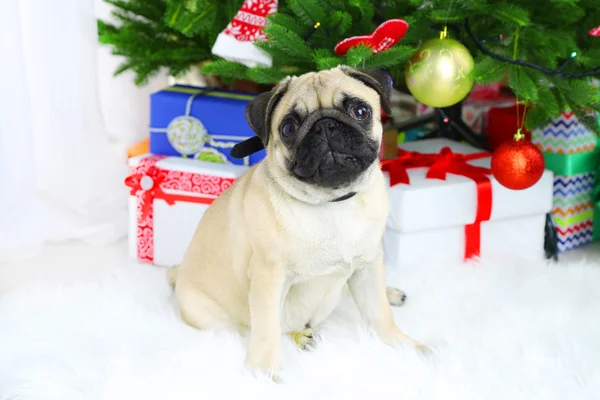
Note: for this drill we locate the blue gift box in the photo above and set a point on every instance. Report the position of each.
(200, 123)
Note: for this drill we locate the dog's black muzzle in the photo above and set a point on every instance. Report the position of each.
(332, 152)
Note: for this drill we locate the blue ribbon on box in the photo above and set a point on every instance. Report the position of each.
(200, 123)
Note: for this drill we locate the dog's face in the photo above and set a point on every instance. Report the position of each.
(322, 130)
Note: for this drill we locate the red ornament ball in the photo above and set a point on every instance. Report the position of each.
(517, 164)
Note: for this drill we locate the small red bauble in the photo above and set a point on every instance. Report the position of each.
(517, 164)
(595, 31)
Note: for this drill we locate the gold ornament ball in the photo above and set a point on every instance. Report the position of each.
(439, 73)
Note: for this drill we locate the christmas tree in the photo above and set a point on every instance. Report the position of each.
(156, 34)
(543, 70)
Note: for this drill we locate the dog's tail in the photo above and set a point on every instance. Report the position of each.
(172, 275)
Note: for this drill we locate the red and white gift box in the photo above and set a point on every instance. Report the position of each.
(445, 206)
(168, 196)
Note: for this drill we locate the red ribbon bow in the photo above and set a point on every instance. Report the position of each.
(148, 183)
(439, 165)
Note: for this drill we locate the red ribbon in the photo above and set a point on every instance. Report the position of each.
(147, 181)
(439, 165)
(153, 191)
(157, 177)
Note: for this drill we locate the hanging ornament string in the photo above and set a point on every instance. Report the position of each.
(444, 32)
(518, 164)
(520, 122)
(520, 119)
(447, 16)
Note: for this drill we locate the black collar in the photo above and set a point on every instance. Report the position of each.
(344, 197)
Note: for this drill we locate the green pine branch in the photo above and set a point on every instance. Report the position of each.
(358, 55)
(394, 56)
(225, 69)
(488, 70)
(308, 11)
(177, 35)
(283, 38)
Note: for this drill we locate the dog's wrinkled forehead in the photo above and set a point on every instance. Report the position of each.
(315, 90)
(326, 89)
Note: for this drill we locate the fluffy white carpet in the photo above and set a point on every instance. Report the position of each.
(501, 330)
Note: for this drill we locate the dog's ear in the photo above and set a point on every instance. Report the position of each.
(260, 110)
(376, 79)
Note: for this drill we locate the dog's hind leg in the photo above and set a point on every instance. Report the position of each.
(202, 312)
(396, 297)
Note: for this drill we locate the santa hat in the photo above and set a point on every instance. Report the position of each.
(236, 42)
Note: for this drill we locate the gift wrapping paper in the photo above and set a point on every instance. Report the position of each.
(564, 135)
(571, 152)
(572, 210)
(168, 197)
(200, 123)
(596, 204)
(573, 203)
(446, 205)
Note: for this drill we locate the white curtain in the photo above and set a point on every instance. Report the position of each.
(65, 125)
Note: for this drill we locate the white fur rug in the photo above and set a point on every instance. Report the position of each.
(499, 331)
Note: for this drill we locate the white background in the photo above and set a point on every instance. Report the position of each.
(65, 125)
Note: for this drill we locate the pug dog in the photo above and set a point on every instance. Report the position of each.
(275, 252)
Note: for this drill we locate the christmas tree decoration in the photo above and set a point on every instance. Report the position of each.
(236, 42)
(439, 73)
(567, 61)
(595, 31)
(384, 37)
(518, 164)
(151, 36)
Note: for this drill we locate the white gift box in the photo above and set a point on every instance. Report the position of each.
(167, 200)
(428, 216)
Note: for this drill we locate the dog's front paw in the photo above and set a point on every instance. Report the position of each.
(265, 369)
(396, 297)
(265, 361)
(262, 374)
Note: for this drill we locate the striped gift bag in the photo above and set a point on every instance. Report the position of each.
(571, 152)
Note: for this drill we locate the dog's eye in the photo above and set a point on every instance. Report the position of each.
(289, 128)
(359, 112)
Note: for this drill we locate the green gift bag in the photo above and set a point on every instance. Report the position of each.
(576, 197)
